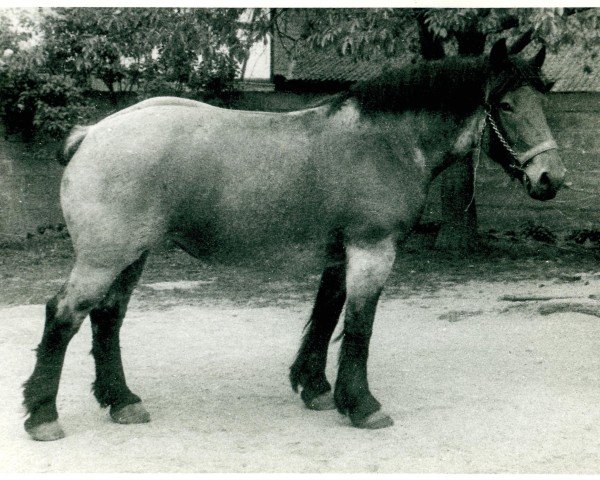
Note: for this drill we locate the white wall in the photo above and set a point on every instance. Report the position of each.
(259, 62)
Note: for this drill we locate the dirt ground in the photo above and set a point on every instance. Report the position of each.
(477, 378)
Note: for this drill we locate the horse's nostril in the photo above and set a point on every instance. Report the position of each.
(545, 179)
(543, 189)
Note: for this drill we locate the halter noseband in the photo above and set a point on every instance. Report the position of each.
(521, 160)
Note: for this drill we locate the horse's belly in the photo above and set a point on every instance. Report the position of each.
(254, 198)
(250, 222)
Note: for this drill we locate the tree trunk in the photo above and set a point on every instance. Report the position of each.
(432, 47)
(471, 43)
(458, 232)
(109, 79)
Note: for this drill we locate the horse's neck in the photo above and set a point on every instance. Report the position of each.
(459, 140)
(425, 142)
(469, 136)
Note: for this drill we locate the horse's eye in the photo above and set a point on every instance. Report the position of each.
(507, 107)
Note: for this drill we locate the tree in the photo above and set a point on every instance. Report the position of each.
(31, 96)
(50, 56)
(433, 34)
(132, 48)
(147, 50)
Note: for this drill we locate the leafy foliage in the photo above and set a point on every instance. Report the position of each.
(363, 33)
(359, 33)
(361, 30)
(147, 50)
(59, 104)
(129, 48)
(32, 98)
(53, 54)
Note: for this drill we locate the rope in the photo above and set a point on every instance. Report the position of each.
(476, 158)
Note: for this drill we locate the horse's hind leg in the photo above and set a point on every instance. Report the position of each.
(308, 370)
(110, 388)
(85, 288)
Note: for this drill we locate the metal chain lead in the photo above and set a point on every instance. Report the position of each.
(503, 141)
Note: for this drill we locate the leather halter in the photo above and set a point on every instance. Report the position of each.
(520, 160)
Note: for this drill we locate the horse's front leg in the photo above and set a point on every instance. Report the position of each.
(368, 267)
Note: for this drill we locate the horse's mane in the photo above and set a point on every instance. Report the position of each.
(455, 85)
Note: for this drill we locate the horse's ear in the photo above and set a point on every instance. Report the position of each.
(520, 43)
(499, 56)
(538, 60)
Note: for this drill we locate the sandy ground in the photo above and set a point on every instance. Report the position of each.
(474, 383)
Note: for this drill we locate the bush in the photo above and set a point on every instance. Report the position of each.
(585, 236)
(216, 79)
(159, 87)
(59, 105)
(34, 100)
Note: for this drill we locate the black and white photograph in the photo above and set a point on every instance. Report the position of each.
(299, 239)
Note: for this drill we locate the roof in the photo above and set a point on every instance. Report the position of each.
(572, 73)
(329, 66)
(569, 69)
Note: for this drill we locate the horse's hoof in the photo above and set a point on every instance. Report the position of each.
(133, 413)
(376, 420)
(322, 402)
(46, 432)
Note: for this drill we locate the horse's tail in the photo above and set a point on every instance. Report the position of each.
(72, 144)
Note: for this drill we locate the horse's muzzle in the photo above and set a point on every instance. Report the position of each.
(545, 186)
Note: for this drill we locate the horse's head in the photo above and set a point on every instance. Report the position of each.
(519, 137)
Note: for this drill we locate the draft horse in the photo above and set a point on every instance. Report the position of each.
(352, 172)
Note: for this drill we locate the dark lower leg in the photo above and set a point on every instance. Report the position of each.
(352, 395)
(41, 388)
(110, 387)
(308, 370)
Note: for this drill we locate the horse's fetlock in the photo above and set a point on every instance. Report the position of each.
(109, 395)
(40, 410)
(366, 406)
(294, 379)
(101, 392)
(123, 401)
(356, 407)
(342, 401)
(298, 374)
(308, 372)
